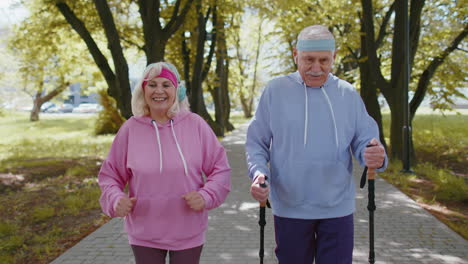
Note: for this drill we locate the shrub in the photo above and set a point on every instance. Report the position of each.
(109, 119)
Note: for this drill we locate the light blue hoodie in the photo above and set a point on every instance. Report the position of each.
(307, 136)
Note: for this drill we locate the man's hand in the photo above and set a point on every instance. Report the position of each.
(124, 206)
(374, 155)
(259, 193)
(194, 200)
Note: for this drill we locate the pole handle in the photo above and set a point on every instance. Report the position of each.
(371, 174)
(263, 185)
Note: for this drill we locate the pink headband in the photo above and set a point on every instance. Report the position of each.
(165, 73)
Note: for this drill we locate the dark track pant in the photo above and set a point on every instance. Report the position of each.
(329, 241)
(146, 255)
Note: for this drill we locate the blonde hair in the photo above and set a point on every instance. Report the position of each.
(139, 105)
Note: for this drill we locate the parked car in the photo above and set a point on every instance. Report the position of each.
(53, 109)
(87, 108)
(66, 108)
(46, 106)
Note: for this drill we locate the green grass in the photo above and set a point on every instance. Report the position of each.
(441, 147)
(54, 201)
(52, 136)
(238, 118)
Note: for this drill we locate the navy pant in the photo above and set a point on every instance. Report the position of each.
(328, 241)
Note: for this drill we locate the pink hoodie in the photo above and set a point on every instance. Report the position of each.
(188, 149)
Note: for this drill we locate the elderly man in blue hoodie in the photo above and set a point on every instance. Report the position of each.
(306, 127)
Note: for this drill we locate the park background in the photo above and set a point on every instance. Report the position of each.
(67, 69)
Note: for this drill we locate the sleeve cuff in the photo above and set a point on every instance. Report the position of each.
(257, 173)
(384, 165)
(207, 198)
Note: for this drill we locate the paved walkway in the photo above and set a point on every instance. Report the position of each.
(405, 233)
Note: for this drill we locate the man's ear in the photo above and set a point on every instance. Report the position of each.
(295, 55)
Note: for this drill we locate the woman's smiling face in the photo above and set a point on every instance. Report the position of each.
(160, 94)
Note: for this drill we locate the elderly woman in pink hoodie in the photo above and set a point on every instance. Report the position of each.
(175, 168)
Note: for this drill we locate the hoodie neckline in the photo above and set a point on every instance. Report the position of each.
(146, 119)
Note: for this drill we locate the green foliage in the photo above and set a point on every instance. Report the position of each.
(448, 187)
(77, 171)
(7, 229)
(39, 214)
(46, 241)
(12, 243)
(394, 175)
(85, 198)
(109, 119)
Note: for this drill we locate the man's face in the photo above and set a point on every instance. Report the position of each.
(314, 66)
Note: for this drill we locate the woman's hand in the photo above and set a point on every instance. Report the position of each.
(194, 200)
(124, 206)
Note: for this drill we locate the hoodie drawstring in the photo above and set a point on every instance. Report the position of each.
(178, 148)
(177, 144)
(159, 145)
(333, 116)
(306, 117)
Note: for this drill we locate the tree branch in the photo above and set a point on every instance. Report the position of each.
(80, 28)
(177, 20)
(415, 26)
(429, 72)
(186, 60)
(383, 27)
(132, 43)
(371, 48)
(214, 34)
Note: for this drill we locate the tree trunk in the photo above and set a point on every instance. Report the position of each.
(243, 97)
(367, 61)
(396, 132)
(227, 101)
(39, 100)
(122, 88)
(254, 81)
(200, 68)
(369, 96)
(34, 115)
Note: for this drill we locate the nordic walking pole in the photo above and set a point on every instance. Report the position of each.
(262, 223)
(371, 208)
(370, 173)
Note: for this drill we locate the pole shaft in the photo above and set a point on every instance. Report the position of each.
(371, 208)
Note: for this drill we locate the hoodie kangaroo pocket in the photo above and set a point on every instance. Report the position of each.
(165, 219)
(318, 183)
